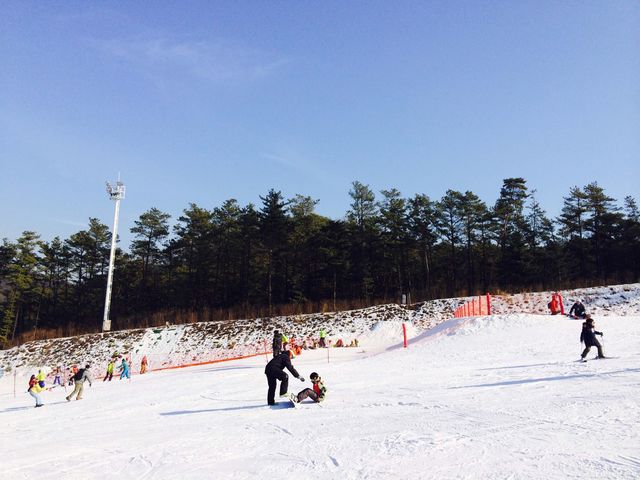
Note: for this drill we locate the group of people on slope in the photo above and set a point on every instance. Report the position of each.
(588, 333)
(77, 378)
(37, 383)
(123, 368)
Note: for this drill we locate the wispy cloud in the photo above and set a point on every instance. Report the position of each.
(73, 223)
(213, 62)
(300, 164)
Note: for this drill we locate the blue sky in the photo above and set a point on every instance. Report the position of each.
(205, 101)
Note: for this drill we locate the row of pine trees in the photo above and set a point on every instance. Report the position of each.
(282, 257)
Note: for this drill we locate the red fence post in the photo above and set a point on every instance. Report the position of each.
(474, 305)
(404, 332)
(488, 304)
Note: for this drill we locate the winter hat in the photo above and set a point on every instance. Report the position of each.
(314, 375)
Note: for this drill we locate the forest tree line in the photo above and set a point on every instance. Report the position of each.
(281, 257)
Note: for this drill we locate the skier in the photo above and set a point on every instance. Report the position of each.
(323, 335)
(74, 370)
(275, 371)
(588, 336)
(110, 366)
(40, 378)
(56, 377)
(317, 393)
(577, 310)
(78, 379)
(143, 365)
(277, 343)
(34, 390)
(124, 369)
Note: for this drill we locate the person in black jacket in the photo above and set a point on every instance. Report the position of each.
(588, 336)
(577, 310)
(277, 343)
(275, 371)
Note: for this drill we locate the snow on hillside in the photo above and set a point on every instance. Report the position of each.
(492, 397)
(200, 342)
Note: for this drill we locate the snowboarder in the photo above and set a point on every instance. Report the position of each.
(124, 369)
(34, 390)
(275, 371)
(277, 343)
(78, 379)
(110, 366)
(588, 337)
(143, 365)
(317, 393)
(577, 310)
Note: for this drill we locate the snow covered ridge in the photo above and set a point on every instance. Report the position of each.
(380, 325)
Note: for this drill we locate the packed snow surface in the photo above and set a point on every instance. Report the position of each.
(488, 397)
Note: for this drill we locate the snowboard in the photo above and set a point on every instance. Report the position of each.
(295, 402)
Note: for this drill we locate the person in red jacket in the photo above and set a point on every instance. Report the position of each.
(317, 394)
(554, 305)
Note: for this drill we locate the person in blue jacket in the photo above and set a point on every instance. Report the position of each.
(124, 369)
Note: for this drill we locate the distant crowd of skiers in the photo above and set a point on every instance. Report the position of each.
(79, 376)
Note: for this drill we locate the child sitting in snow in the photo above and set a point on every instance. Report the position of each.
(317, 394)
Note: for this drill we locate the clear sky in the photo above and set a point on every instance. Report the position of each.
(202, 101)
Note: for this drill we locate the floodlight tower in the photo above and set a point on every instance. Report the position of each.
(116, 193)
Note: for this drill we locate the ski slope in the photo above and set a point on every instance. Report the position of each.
(489, 397)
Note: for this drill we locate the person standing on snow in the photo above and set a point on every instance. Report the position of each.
(79, 379)
(588, 337)
(275, 371)
(317, 394)
(323, 335)
(40, 377)
(124, 369)
(110, 366)
(34, 390)
(56, 377)
(143, 365)
(277, 343)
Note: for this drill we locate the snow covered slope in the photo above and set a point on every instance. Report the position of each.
(489, 397)
(180, 344)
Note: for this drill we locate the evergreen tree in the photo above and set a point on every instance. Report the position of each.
(22, 273)
(274, 231)
(362, 223)
(510, 229)
(394, 231)
(423, 226)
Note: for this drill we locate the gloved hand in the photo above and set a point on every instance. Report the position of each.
(301, 379)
